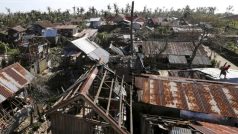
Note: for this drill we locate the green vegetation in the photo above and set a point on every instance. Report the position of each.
(232, 46)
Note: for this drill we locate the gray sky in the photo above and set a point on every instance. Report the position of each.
(27, 5)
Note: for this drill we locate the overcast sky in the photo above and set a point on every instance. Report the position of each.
(27, 5)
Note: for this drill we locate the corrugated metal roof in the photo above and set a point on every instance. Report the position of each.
(92, 50)
(172, 48)
(187, 29)
(201, 60)
(209, 128)
(179, 130)
(177, 59)
(12, 79)
(189, 94)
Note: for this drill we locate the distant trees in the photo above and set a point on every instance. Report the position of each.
(204, 14)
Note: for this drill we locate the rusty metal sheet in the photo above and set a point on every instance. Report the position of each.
(189, 94)
(12, 79)
(209, 128)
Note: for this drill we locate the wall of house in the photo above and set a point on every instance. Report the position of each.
(70, 124)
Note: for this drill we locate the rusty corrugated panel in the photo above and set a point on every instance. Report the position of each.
(189, 94)
(12, 79)
(209, 128)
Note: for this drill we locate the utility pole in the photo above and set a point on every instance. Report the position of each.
(131, 34)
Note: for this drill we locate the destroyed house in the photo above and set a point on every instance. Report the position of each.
(199, 100)
(173, 54)
(14, 79)
(35, 54)
(98, 102)
(15, 33)
(67, 30)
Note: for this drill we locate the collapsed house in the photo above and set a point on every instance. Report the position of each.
(16, 33)
(35, 49)
(98, 102)
(14, 106)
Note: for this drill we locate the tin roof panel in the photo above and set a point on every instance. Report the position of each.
(189, 94)
(12, 79)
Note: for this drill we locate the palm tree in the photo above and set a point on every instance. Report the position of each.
(49, 10)
(74, 8)
(109, 8)
(116, 9)
(128, 8)
(93, 11)
(122, 10)
(8, 10)
(81, 10)
(78, 10)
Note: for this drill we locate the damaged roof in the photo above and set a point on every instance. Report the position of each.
(189, 94)
(12, 79)
(187, 29)
(210, 128)
(93, 51)
(87, 32)
(176, 52)
(172, 48)
(18, 28)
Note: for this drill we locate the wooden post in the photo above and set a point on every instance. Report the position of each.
(120, 106)
(131, 116)
(131, 34)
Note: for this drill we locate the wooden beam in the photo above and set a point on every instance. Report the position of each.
(100, 87)
(120, 106)
(110, 97)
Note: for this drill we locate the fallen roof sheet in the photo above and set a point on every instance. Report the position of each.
(66, 26)
(87, 33)
(189, 94)
(231, 76)
(12, 79)
(209, 128)
(92, 50)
